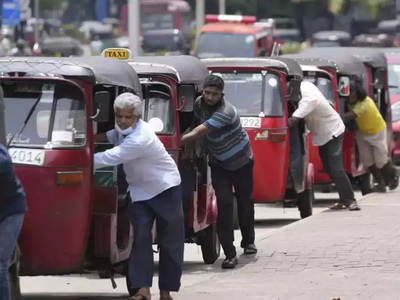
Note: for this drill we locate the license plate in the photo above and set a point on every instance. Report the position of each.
(251, 122)
(27, 156)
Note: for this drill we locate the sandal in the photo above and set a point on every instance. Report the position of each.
(229, 263)
(139, 297)
(250, 249)
(337, 206)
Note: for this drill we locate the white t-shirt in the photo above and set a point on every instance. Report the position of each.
(321, 119)
(148, 167)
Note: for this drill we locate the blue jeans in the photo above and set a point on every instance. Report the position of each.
(166, 209)
(9, 232)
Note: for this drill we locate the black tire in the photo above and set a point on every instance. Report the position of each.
(366, 184)
(305, 202)
(210, 246)
(235, 214)
(327, 188)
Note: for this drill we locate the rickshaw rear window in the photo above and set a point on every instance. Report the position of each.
(325, 86)
(63, 102)
(244, 91)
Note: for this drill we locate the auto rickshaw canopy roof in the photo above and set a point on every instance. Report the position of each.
(185, 69)
(285, 65)
(95, 70)
(372, 57)
(343, 64)
(331, 35)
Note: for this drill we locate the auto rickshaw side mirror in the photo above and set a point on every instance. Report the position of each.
(379, 79)
(344, 86)
(101, 107)
(186, 98)
(2, 122)
(293, 91)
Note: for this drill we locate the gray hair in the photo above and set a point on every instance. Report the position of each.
(129, 100)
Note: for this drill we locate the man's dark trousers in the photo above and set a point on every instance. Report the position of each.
(166, 209)
(331, 155)
(242, 180)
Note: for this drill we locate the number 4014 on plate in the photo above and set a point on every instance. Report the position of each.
(27, 156)
(251, 122)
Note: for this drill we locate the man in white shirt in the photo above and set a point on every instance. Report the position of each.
(154, 193)
(327, 129)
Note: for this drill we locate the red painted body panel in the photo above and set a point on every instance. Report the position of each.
(53, 238)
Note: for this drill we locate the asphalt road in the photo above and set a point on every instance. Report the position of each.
(89, 286)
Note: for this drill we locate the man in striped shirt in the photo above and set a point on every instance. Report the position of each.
(231, 162)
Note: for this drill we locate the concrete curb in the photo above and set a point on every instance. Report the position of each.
(301, 221)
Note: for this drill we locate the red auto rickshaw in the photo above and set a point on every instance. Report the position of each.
(393, 59)
(328, 75)
(265, 93)
(78, 220)
(377, 78)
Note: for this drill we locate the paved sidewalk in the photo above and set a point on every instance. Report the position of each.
(335, 254)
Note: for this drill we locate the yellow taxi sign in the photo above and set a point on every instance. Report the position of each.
(119, 53)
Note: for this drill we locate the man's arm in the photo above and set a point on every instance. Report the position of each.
(304, 109)
(218, 120)
(125, 152)
(350, 115)
(196, 133)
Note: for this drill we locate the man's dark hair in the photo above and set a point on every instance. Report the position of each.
(356, 85)
(214, 81)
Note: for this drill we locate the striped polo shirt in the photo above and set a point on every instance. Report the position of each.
(228, 144)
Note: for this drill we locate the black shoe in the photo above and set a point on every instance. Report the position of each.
(229, 263)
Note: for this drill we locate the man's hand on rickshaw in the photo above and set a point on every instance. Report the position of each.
(101, 137)
(293, 121)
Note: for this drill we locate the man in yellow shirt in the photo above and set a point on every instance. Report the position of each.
(371, 136)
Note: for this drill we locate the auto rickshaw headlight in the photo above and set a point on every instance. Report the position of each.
(68, 178)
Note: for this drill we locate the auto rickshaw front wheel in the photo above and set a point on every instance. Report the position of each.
(210, 245)
(305, 202)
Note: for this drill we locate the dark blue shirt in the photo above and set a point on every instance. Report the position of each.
(12, 194)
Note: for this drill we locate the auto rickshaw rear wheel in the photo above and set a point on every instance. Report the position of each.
(305, 202)
(210, 245)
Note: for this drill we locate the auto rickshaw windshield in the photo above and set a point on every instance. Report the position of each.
(327, 43)
(223, 44)
(244, 91)
(325, 86)
(58, 115)
(394, 79)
